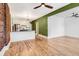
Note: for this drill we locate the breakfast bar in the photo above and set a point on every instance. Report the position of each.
(22, 35)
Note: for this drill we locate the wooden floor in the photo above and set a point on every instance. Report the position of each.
(62, 46)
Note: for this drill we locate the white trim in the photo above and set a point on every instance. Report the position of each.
(41, 36)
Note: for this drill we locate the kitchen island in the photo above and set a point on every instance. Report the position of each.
(22, 35)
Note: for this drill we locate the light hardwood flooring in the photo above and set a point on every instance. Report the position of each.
(62, 46)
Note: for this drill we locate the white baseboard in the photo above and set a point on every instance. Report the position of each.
(55, 37)
(70, 36)
(39, 36)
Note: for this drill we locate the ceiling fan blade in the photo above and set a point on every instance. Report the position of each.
(48, 6)
(37, 7)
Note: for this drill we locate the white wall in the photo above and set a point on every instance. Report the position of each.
(72, 27)
(55, 26)
(63, 24)
(71, 24)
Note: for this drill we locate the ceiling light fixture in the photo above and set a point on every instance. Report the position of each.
(43, 5)
(75, 14)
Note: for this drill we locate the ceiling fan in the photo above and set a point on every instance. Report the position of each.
(43, 4)
(75, 14)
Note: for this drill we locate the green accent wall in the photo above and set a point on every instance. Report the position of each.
(33, 25)
(43, 24)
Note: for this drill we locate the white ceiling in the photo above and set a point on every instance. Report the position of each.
(25, 10)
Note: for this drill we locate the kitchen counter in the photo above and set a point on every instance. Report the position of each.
(23, 35)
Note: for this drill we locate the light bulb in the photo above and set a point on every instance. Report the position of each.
(42, 5)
